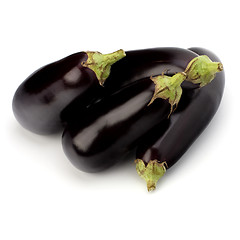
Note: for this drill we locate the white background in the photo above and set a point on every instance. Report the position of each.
(44, 197)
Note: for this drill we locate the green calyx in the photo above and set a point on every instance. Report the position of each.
(151, 172)
(168, 88)
(101, 63)
(201, 70)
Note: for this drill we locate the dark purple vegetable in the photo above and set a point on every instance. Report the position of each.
(41, 104)
(164, 145)
(112, 127)
(40, 99)
(139, 64)
(136, 65)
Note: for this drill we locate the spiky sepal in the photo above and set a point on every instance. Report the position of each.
(151, 172)
(101, 63)
(168, 88)
(201, 70)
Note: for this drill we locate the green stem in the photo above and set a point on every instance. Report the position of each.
(101, 63)
(151, 172)
(201, 70)
(168, 88)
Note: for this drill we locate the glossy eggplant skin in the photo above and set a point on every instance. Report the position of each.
(170, 140)
(41, 104)
(113, 126)
(39, 100)
(137, 64)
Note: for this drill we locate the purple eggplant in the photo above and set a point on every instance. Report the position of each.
(113, 126)
(40, 99)
(49, 97)
(164, 145)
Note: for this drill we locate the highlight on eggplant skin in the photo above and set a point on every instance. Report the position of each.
(113, 126)
(136, 65)
(48, 99)
(40, 99)
(164, 145)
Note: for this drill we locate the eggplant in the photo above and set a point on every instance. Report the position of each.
(137, 64)
(40, 99)
(112, 127)
(164, 145)
(41, 104)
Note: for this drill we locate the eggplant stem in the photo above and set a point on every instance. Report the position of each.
(201, 70)
(151, 172)
(101, 64)
(168, 88)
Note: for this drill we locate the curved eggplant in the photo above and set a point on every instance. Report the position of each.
(162, 147)
(40, 99)
(112, 127)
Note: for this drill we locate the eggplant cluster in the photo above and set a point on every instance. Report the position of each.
(155, 102)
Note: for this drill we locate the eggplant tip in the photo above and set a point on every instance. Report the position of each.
(220, 67)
